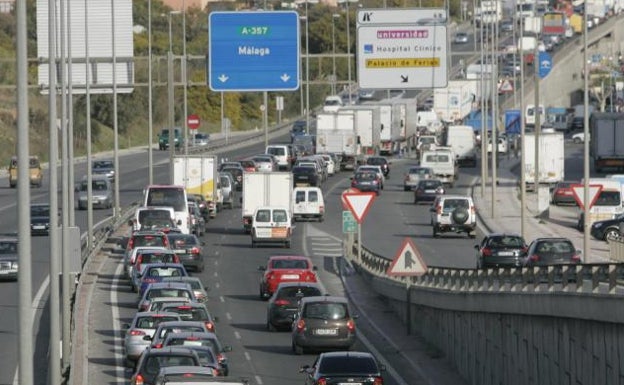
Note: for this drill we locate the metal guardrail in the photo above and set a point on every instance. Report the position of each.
(607, 278)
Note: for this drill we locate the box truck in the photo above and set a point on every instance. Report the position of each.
(261, 189)
(551, 158)
(198, 174)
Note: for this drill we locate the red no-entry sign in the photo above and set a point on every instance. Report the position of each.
(193, 122)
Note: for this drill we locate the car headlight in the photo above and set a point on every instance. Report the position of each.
(14, 265)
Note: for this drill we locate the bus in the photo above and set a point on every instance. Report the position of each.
(170, 196)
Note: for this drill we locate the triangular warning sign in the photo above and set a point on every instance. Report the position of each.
(506, 86)
(407, 261)
(579, 194)
(359, 204)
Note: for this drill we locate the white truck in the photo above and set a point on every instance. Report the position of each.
(335, 133)
(198, 174)
(442, 162)
(606, 146)
(263, 189)
(367, 128)
(489, 12)
(385, 135)
(551, 158)
(464, 144)
(453, 103)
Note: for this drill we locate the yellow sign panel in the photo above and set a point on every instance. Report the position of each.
(403, 62)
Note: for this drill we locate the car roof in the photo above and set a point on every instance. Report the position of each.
(169, 370)
(169, 285)
(199, 335)
(346, 354)
(182, 323)
(142, 314)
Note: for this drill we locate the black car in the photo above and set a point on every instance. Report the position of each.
(152, 360)
(608, 229)
(305, 176)
(552, 251)
(379, 161)
(283, 303)
(299, 127)
(40, 219)
(189, 248)
(348, 162)
(367, 181)
(501, 250)
(427, 190)
(344, 367)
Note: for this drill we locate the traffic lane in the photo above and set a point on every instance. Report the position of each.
(393, 216)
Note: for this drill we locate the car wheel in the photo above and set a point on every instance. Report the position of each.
(435, 232)
(253, 244)
(577, 140)
(612, 235)
(405, 188)
(270, 326)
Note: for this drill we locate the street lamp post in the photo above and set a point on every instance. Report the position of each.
(184, 76)
(170, 100)
(348, 45)
(307, 20)
(334, 17)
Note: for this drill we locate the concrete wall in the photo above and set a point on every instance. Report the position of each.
(516, 339)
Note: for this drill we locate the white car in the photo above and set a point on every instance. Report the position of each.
(329, 162)
(579, 137)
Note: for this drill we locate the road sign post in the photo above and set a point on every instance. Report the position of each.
(545, 64)
(193, 122)
(359, 204)
(349, 224)
(254, 51)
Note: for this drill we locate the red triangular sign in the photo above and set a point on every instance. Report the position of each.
(359, 204)
(579, 194)
(506, 86)
(407, 261)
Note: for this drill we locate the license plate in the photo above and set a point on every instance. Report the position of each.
(506, 253)
(430, 191)
(279, 232)
(290, 276)
(349, 383)
(301, 184)
(302, 178)
(326, 332)
(179, 251)
(38, 227)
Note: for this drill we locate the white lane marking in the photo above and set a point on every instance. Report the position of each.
(221, 298)
(215, 274)
(237, 335)
(258, 380)
(247, 356)
(228, 316)
(217, 285)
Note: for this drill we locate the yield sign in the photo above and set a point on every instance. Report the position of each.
(407, 261)
(579, 194)
(506, 86)
(359, 204)
(342, 197)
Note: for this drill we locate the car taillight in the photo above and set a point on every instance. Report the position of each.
(220, 358)
(310, 276)
(534, 258)
(321, 209)
(375, 181)
(576, 258)
(131, 244)
(300, 326)
(139, 380)
(486, 252)
(321, 381)
(351, 325)
(176, 258)
(166, 241)
(378, 381)
(158, 345)
(438, 209)
(270, 276)
(195, 250)
(281, 302)
(135, 332)
(353, 183)
(210, 326)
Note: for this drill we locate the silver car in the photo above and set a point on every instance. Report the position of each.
(101, 193)
(227, 189)
(143, 325)
(414, 175)
(105, 168)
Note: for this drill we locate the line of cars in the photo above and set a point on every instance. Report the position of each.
(172, 337)
(298, 302)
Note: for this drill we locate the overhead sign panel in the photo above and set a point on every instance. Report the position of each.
(407, 261)
(97, 25)
(253, 51)
(402, 49)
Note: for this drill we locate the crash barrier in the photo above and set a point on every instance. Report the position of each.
(546, 325)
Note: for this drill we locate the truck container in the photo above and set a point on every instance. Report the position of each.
(533, 25)
(453, 103)
(489, 12)
(529, 115)
(335, 133)
(198, 174)
(554, 23)
(462, 140)
(262, 189)
(606, 146)
(367, 128)
(551, 158)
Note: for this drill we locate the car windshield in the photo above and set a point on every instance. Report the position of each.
(7, 247)
(156, 257)
(276, 151)
(40, 211)
(429, 184)
(148, 240)
(608, 198)
(167, 196)
(376, 161)
(154, 363)
(364, 176)
(350, 364)
(419, 171)
(452, 204)
(102, 165)
(164, 272)
(555, 247)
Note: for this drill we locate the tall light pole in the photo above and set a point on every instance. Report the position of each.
(334, 17)
(184, 76)
(348, 45)
(150, 107)
(301, 102)
(170, 100)
(307, 27)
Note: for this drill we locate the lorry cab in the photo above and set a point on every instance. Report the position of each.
(309, 203)
(34, 171)
(442, 162)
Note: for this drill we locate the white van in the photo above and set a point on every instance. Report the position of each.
(529, 115)
(170, 196)
(463, 142)
(309, 203)
(282, 153)
(332, 103)
(442, 162)
(144, 215)
(271, 224)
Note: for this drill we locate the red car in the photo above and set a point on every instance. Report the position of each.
(562, 193)
(285, 268)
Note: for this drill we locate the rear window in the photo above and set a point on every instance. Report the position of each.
(263, 216)
(157, 257)
(152, 322)
(313, 196)
(326, 310)
(555, 247)
(148, 240)
(608, 198)
(505, 241)
(293, 292)
(182, 240)
(156, 293)
(154, 363)
(276, 151)
(301, 170)
(280, 216)
(289, 264)
(451, 204)
(188, 313)
(366, 176)
(164, 272)
(365, 365)
(376, 161)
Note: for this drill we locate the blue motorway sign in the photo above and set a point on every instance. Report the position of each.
(545, 64)
(253, 51)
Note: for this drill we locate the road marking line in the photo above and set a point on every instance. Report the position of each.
(237, 335)
(217, 285)
(228, 316)
(247, 356)
(258, 380)
(221, 298)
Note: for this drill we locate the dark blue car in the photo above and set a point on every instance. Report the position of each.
(155, 272)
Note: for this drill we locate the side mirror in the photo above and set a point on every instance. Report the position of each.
(314, 267)
(476, 247)
(304, 368)
(432, 209)
(262, 268)
(227, 348)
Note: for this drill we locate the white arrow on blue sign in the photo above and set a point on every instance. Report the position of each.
(545, 64)
(254, 51)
